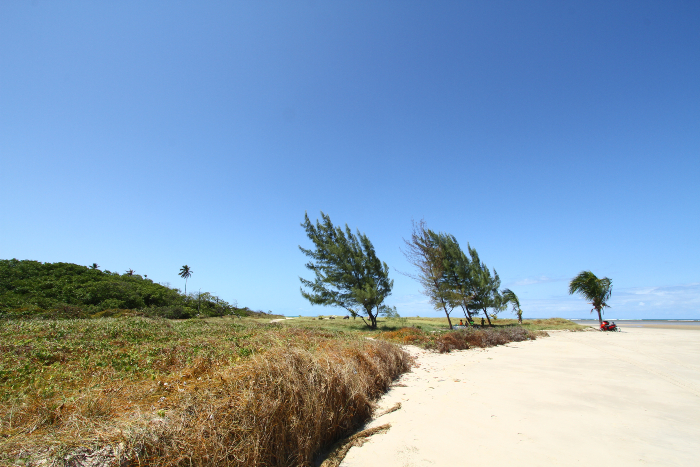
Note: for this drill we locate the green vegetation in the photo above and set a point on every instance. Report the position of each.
(452, 279)
(347, 272)
(66, 290)
(137, 388)
(428, 325)
(208, 392)
(426, 254)
(596, 290)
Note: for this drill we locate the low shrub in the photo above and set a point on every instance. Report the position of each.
(408, 335)
(461, 339)
(170, 312)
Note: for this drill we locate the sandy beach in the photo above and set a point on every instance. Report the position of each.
(586, 398)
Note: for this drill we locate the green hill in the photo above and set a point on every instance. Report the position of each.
(35, 289)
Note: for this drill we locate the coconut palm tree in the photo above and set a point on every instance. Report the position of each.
(510, 297)
(597, 291)
(95, 266)
(130, 272)
(185, 273)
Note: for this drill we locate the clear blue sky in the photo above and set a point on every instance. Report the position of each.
(554, 137)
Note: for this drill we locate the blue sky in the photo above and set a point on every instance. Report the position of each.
(553, 137)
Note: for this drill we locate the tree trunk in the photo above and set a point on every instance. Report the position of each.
(600, 317)
(372, 318)
(467, 314)
(487, 317)
(444, 307)
(465, 317)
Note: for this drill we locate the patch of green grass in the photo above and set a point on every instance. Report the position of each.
(426, 324)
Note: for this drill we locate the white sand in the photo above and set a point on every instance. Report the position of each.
(590, 398)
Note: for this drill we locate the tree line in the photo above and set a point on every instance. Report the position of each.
(348, 274)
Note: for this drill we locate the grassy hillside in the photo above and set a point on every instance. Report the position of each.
(66, 290)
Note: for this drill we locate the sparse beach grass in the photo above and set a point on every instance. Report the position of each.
(426, 324)
(196, 392)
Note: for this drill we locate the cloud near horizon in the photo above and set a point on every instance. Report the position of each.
(676, 301)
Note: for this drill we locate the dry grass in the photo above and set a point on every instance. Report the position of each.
(146, 392)
(462, 339)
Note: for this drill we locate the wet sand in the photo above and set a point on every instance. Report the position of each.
(587, 398)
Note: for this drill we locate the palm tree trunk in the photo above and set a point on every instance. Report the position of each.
(600, 317)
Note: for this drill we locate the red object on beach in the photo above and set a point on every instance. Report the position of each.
(607, 326)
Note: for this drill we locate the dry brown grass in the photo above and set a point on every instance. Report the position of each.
(461, 339)
(413, 336)
(296, 391)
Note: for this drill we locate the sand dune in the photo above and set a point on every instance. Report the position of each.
(592, 398)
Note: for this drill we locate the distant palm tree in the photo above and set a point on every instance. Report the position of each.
(510, 297)
(130, 272)
(596, 290)
(95, 266)
(185, 273)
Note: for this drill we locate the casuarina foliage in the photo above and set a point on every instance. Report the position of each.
(347, 272)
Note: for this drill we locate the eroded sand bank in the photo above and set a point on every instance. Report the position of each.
(591, 398)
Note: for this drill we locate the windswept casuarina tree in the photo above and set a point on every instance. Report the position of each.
(457, 274)
(426, 252)
(185, 273)
(596, 291)
(484, 286)
(451, 278)
(347, 272)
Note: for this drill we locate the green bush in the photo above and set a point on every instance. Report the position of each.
(66, 290)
